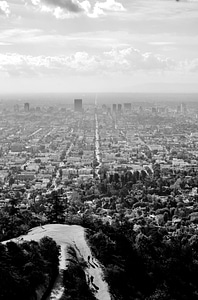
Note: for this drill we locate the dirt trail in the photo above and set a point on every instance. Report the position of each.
(73, 235)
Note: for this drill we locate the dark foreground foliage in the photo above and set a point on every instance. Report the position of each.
(14, 223)
(151, 265)
(74, 279)
(24, 267)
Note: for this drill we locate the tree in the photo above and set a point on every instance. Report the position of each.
(143, 175)
(56, 211)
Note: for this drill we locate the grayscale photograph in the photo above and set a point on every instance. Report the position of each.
(99, 149)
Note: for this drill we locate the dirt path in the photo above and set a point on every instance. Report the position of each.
(73, 235)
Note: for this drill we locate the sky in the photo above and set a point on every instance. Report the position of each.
(98, 46)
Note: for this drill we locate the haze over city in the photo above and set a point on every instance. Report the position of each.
(98, 46)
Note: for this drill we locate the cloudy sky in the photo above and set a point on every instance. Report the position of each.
(98, 46)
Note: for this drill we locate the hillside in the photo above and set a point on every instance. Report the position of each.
(66, 235)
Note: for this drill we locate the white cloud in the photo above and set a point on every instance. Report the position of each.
(126, 61)
(4, 8)
(17, 64)
(63, 9)
(189, 65)
(132, 59)
(110, 5)
(101, 8)
(4, 44)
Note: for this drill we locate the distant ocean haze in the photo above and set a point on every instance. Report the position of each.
(102, 98)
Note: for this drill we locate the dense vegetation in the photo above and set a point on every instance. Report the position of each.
(143, 228)
(74, 279)
(14, 223)
(27, 266)
(147, 264)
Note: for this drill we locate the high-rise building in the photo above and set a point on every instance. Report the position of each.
(114, 107)
(26, 107)
(78, 104)
(119, 107)
(182, 108)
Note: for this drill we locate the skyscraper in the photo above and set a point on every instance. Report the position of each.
(119, 107)
(114, 107)
(26, 107)
(182, 108)
(78, 104)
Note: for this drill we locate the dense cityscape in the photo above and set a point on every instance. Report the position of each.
(127, 172)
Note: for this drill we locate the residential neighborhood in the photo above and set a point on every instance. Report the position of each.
(78, 152)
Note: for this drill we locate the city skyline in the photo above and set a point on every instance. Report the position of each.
(101, 46)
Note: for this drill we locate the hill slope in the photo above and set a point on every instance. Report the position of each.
(65, 235)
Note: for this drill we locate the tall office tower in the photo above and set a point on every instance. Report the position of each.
(119, 107)
(78, 104)
(114, 107)
(127, 106)
(26, 107)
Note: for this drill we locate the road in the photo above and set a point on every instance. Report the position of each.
(97, 145)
